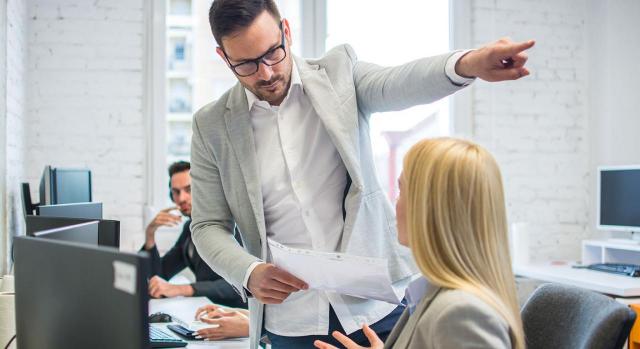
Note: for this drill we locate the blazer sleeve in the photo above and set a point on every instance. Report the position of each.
(212, 222)
(172, 262)
(219, 291)
(381, 89)
(464, 326)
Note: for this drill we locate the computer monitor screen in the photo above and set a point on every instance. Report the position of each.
(78, 296)
(86, 233)
(108, 230)
(71, 186)
(90, 210)
(619, 198)
(65, 186)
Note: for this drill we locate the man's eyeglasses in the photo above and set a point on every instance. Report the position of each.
(270, 58)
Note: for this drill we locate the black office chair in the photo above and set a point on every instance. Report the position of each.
(559, 316)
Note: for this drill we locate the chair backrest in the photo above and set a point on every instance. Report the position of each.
(559, 316)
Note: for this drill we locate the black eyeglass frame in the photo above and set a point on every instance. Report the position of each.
(260, 59)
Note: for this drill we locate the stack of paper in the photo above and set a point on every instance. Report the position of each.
(364, 277)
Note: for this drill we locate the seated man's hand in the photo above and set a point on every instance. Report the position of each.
(498, 61)
(272, 285)
(228, 323)
(373, 338)
(163, 219)
(158, 288)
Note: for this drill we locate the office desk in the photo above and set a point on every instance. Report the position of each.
(612, 284)
(184, 308)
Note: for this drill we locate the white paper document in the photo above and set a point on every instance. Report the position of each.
(364, 277)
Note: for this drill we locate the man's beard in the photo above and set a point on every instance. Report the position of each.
(258, 89)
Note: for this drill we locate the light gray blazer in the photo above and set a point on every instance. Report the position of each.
(225, 177)
(447, 318)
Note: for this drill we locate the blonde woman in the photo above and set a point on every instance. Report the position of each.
(451, 213)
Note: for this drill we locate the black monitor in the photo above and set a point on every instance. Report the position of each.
(86, 233)
(64, 186)
(619, 198)
(28, 207)
(108, 230)
(91, 210)
(70, 295)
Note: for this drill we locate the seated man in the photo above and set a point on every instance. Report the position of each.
(183, 254)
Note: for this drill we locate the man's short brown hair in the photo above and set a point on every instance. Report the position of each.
(228, 16)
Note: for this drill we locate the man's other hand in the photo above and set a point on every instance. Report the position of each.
(159, 288)
(163, 218)
(272, 285)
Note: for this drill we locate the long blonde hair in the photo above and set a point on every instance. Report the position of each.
(457, 226)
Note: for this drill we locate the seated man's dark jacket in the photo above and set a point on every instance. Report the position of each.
(184, 254)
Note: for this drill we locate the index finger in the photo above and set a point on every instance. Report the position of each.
(515, 48)
(287, 278)
(346, 341)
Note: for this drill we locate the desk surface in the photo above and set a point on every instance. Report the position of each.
(618, 285)
(184, 308)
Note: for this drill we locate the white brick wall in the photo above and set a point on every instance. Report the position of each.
(86, 82)
(538, 127)
(16, 99)
(613, 93)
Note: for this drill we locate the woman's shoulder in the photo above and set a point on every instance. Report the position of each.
(454, 301)
(462, 317)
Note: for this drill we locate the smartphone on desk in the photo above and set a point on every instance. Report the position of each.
(184, 332)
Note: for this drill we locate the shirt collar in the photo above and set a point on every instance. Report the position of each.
(416, 292)
(295, 81)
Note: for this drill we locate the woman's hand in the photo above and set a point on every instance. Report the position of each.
(212, 311)
(209, 311)
(373, 338)
(228, 323)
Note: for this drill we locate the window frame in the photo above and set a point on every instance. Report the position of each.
(155, 103)
(5, 234)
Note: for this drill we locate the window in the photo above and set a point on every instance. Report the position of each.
(391, 34)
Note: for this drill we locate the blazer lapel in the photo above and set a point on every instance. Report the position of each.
(406, 333)
(343, 134)
(241, 136)
(327, 104)
(397, 329)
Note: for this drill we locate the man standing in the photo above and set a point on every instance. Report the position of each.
(183, 254)
(286, 155)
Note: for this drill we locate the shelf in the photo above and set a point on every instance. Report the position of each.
(607, 251)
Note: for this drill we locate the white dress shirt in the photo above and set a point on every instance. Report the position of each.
(415, 292)
(303, 180)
